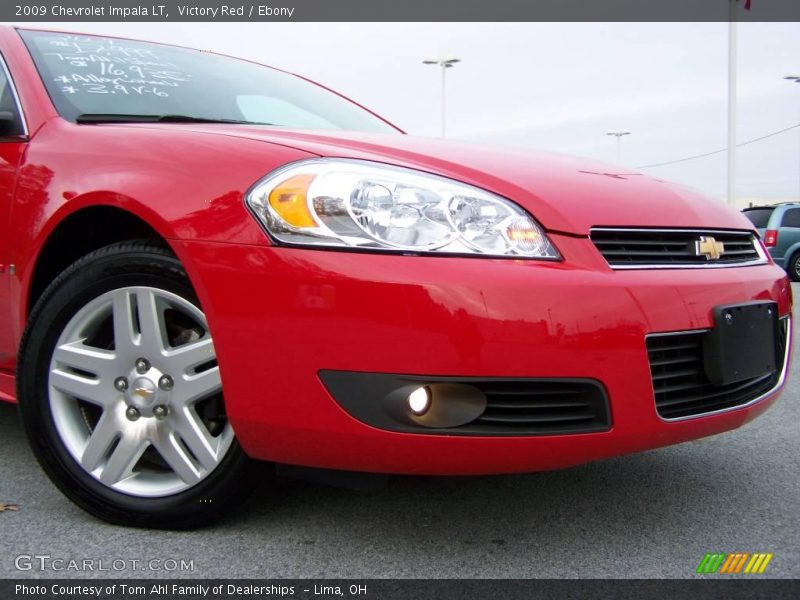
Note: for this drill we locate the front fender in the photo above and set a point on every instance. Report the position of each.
(184, 185)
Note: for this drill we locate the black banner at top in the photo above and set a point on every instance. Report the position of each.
(399, 10)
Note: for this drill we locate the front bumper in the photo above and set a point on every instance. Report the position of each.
(279, 316)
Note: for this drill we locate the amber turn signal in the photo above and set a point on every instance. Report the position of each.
(288, 200)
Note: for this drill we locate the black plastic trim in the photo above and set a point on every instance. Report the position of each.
(560, 406)
(688, 393)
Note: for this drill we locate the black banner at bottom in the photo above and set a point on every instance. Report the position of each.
(380, 589)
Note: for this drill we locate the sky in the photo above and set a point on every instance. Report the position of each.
(550, 86)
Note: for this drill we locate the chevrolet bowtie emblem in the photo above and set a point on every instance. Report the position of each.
(143, 392)
(709, 247)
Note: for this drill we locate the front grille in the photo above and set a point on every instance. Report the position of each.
(665, 248)
(681, 386)
(543, 406)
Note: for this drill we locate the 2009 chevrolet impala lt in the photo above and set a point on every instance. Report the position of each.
(211, 265)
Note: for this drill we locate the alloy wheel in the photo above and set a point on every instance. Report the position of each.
(136, 395)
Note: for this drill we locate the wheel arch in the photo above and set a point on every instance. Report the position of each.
(789, 256)
(78, 233)
(85, 224)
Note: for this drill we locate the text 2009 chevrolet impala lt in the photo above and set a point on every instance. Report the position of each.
(210, 265)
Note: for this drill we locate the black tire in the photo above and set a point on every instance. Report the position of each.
(137, 263)
(794, 267)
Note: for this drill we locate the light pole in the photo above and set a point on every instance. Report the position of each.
(445, 62)
(618, 133)
(796, 79)
(732, 97)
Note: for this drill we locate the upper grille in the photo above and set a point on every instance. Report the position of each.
(681, 386)
(665, 248)
(542, 407)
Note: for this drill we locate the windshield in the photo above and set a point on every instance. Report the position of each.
(90, 75)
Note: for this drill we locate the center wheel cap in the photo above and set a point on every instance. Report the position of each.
(142, 393)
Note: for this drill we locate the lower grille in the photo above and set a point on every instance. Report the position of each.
(544, 406)
(681, 386)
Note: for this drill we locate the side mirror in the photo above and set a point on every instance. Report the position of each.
(8, 123)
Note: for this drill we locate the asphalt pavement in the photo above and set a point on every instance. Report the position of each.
(653, 514)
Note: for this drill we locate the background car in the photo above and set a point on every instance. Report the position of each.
(779, 227)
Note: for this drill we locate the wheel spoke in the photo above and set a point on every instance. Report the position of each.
(196, 437)
(103, 437)
(151, 322)
(198, 387)
(81, 387)
(122, 460)
(187, 357)
(126, 337)
(76, 355)
(178, 459)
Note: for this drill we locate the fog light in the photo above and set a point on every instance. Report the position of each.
(419, 401)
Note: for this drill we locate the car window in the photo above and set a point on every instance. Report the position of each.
(791, 218)
(266, 109)
(106, 76)
(10, 119)
(759, 216)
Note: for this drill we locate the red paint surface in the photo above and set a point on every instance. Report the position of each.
(279, 315)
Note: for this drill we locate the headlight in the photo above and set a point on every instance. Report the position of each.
(359, 204)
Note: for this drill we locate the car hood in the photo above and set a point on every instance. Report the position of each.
(563, 193)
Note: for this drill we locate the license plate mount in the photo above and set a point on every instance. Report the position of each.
(742, 344)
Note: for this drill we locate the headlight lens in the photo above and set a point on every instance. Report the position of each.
(359, 204)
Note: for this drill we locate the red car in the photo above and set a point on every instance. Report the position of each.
(207, 261)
